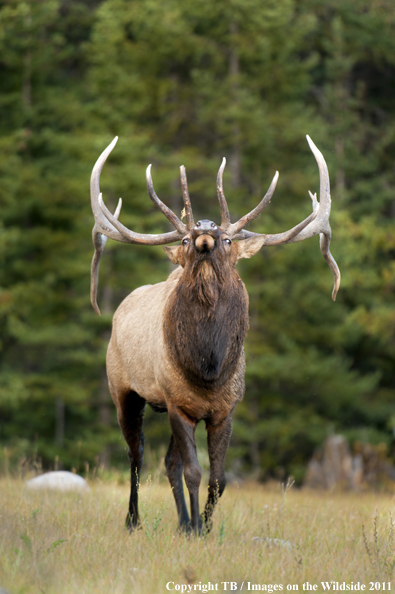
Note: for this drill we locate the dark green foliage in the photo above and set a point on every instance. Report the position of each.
(190, 83)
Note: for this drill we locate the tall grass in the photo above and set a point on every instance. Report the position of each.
(76, 543)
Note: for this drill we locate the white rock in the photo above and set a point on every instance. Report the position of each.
(60, 480)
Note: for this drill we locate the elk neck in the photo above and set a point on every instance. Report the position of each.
(206, 321)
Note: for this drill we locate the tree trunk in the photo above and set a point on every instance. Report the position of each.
(59, 427)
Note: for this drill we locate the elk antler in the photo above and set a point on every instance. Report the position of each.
(107, 225)
(226, 224)
(225, 216)
(316, 223)
(186, 199)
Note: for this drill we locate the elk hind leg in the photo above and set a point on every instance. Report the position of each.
(174, 469)
(218, 438)
(130, 417)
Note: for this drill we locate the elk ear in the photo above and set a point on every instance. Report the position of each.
(249, 247)
(172, 252)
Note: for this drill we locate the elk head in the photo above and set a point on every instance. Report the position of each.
(205, 241)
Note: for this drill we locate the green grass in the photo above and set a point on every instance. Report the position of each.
(71, 543)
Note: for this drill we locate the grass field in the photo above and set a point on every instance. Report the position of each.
(69, 543)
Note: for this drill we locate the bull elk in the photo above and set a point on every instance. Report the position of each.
(178, 345)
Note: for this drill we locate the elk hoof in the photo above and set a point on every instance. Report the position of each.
(132, 524)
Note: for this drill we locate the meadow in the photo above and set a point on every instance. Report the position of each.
(266, 536)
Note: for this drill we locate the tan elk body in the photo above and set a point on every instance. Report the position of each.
(138, 358)
(178, 345)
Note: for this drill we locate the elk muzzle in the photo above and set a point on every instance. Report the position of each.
(204, 243)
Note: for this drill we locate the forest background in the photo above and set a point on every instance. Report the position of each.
(189, 83)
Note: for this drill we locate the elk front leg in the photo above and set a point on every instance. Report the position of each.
(173, 464)
(218, 438)
(130, 417)
(183, 429)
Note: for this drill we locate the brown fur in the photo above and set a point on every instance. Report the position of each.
(205, 322)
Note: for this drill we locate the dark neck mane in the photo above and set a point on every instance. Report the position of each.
(206, 320)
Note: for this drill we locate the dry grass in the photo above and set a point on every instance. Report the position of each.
(69, 543)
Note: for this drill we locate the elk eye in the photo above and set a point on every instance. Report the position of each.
(228, 241)
(185, 241)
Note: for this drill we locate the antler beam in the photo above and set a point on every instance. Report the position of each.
(318, 224)
(107, 225)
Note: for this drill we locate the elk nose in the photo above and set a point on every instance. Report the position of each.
(204, 243)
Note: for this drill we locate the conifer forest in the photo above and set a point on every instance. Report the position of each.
(185, 82)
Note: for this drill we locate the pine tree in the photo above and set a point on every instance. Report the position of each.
(190, 83)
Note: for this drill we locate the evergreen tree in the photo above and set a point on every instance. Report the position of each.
(189, 83)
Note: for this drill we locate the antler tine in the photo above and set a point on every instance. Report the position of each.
(101, 223)
(225, 216)
(244, 221)
(186, 199)
(325, 240)
(99, 242)
(169, 214)
(321, 224)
